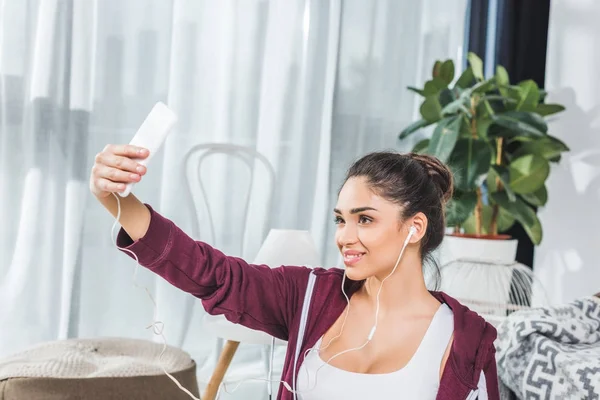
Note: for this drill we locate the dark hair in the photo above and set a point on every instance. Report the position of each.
(416, 182)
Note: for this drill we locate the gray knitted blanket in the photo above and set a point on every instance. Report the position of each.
(552, 352)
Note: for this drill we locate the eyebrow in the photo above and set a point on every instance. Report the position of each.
(356, 210)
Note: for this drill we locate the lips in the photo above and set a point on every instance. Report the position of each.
(351, 257)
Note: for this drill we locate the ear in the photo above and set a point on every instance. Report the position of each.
(419, 221)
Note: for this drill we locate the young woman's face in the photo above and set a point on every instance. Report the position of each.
(369, 233)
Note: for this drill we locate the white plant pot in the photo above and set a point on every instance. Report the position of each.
(463, 248)
(478, 272)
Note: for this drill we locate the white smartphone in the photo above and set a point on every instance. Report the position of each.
(152, 134)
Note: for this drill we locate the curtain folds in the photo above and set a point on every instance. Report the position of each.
(310, 84)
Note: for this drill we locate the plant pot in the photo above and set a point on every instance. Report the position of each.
(478, 271)
(488, 248)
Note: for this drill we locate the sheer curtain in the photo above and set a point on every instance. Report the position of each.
(310, 84)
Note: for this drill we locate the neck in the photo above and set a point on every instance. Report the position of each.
(403, 290)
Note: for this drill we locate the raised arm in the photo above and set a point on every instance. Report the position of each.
(255, 296)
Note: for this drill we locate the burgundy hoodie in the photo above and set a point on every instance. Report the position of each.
(272, 300)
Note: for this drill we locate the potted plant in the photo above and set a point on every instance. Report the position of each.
(494, 137)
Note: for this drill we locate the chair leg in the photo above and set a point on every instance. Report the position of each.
(210, 393)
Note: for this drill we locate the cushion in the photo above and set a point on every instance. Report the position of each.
(94, 369)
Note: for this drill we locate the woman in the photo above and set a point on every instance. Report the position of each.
(401, 341)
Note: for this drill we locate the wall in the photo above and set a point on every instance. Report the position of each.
(565, 261)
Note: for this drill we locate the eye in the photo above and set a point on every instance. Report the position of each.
(338, 220)
(363, 219)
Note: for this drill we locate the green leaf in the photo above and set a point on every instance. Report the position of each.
(421, 146)
(537, 198)
(437, 66)
(504, 221)
(434, 87)
(455, 106)
(416, 90)
(481, 111)
(414, 127)
(530, 95)
(548, 147)
(476, 65)
(466, 79)
(522, 213)
(528, 173)
(484, 86)
(431, 109)
(519, 123)
(548, 109)
(446, 97)
(460, 207)
(513, 92)
(495, 97)
(469, 161)
(465, 129)
(502, 80)
(444, 138)
(447, 71)
(503, 174)
(482, 126)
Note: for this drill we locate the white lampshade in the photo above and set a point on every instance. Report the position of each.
(288, 247)
(281, 247)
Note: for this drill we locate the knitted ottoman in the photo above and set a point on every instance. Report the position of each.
(97, 369)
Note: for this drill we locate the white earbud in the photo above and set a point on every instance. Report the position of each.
(411, 231)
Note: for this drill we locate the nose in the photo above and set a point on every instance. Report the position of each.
(347, 235)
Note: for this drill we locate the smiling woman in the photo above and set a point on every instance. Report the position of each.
(363, 341)
(381, 191)
(389, 216)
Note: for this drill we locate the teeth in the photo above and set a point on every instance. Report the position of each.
(353, 255)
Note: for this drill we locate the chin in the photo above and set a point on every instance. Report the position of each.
(356, 273)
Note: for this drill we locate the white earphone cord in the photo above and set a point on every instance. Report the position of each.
(157, 326)
(369, 338)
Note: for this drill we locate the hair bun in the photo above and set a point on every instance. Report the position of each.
(439, 172)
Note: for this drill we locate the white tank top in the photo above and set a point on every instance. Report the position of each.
(419, 379)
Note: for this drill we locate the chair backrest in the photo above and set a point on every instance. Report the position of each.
(232, 211)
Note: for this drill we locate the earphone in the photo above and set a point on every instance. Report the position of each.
(157, 326)
(411, 232)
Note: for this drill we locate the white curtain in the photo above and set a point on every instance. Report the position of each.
(310, 84)
(566, 261)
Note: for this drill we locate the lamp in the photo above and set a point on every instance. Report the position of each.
(288, 247)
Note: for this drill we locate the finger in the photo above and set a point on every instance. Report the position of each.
(120, 162)
(127, 150)
(109, 186)
(116, 175)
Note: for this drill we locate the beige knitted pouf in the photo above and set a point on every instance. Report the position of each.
(97, 369)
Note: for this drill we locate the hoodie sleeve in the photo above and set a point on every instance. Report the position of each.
(256, 296)
(488, 380)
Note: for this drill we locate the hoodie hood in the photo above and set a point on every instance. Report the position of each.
(473, 341)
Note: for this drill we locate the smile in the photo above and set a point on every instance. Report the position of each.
(352, 257)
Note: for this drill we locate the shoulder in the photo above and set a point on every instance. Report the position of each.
(471, 330)
(473, 341)
(333, 273)
(326, 280)
(303, 272)
(331, 278)
(463, 314)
